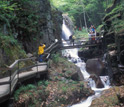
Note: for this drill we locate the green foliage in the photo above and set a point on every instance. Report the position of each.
(81, 84)
(55, 58)
(11, 48)
(95, 10)
(63, 100)
(117, 23)
(7, 6)
(7, 9)
(74, 82)
(45, 83)
(111, 101)
(68, 72)
(117, 9)
(80, 34)
(20, 15)
(6, 41)
(64, 89)
(23, 89)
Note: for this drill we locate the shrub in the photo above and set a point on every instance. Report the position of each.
(23, 89)
(55, 58)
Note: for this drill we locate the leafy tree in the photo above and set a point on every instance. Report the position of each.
(94, 10)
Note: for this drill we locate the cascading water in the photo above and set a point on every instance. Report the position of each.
(73, 53)
(65, 31)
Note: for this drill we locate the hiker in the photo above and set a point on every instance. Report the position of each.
(72, 38)
(41, 52)
(79, 28)
(89, 34)
(92, 29)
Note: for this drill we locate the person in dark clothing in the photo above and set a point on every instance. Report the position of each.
(72, 38)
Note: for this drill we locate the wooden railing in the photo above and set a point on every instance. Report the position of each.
(82, 42)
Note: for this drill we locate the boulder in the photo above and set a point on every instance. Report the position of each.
(29, 55)
(94, 66)
(74, 74)
(98, 81)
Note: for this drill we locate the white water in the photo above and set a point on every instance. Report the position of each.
(65, 31)
(74, 58)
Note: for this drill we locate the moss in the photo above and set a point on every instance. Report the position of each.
(117, 9)
(110, 98)
(11, 48)
(118, 26)
(99, 28)
(113, 17)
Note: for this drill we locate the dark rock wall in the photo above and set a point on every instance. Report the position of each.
(113, 25)
(114, 39)
(48, 28)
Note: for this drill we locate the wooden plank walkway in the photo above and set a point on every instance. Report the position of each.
(79, 43)
(5, 88)
(78, 46)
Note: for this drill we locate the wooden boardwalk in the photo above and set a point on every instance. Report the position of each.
(79, 43)
(78, 46)
(7, 89)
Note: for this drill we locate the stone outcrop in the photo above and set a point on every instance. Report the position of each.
(114, 38)
(95, 67)
(113, 26)
(91, 52)
(113, 97)
(48, 28)
(97, 80)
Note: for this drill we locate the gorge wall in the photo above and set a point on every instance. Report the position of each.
(113, 24)
(26, 24)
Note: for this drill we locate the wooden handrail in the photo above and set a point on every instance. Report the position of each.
(16, 61)
(80, 39)
(49, 48)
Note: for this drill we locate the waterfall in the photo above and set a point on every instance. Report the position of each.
(73, 53)
(65, 31)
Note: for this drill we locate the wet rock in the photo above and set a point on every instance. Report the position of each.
(80, 75)
(98, 81)
(29, 55)
(75, 76)
(92, 52)
(63, 78)
(94, 66)
(74, 60)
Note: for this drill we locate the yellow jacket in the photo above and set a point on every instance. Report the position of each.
(41, 49)
(73, 37)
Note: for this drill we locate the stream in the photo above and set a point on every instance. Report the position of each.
(73, 53)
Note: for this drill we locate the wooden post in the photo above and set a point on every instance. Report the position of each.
(10, 80)
(18, 70)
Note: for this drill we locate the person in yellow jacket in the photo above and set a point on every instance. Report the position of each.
(41, 52)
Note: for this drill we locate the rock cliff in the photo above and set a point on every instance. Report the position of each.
(27, 25)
